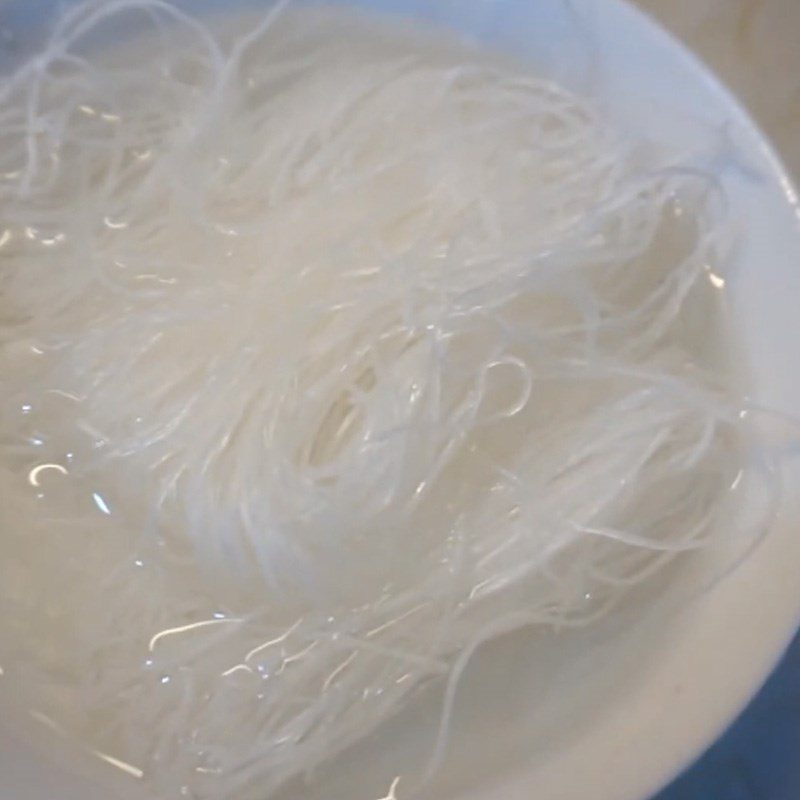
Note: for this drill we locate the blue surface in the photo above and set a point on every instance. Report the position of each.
(758, 758)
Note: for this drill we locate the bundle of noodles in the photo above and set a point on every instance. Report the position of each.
(327, 354)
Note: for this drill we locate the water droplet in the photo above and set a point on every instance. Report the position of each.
(101, 503)
(35, 475)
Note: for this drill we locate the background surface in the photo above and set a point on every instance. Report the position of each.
(754, 46)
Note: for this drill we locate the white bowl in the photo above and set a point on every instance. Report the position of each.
(613, 712)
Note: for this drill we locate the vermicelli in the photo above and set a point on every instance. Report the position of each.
(327, 354)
